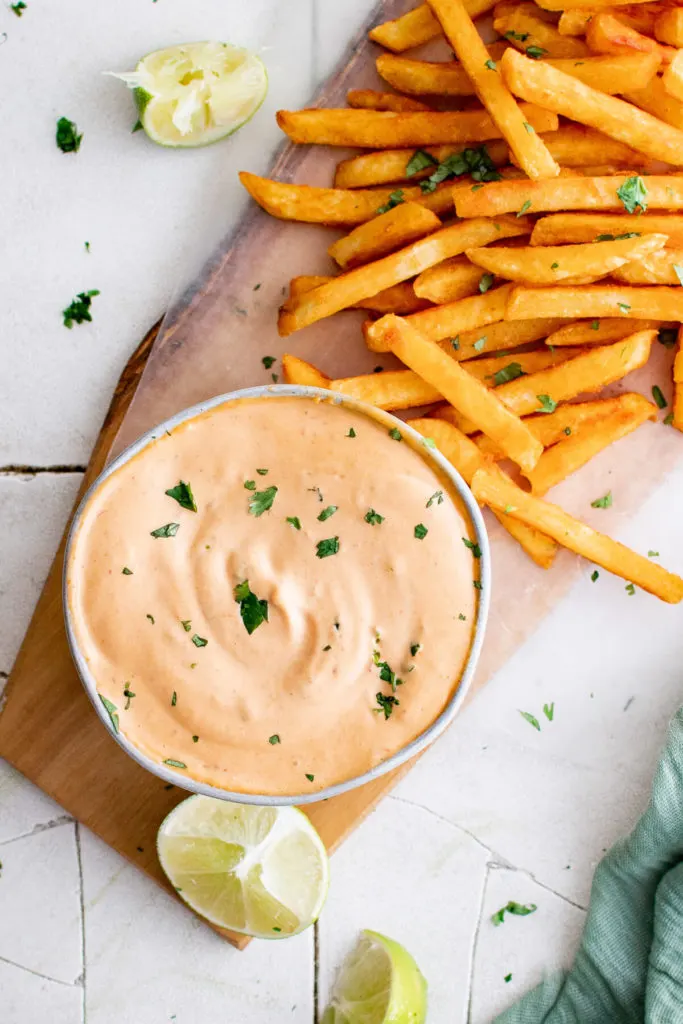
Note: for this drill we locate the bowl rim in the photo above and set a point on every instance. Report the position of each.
(405, 753)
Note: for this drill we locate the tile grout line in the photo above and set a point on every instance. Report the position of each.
(475, 943)
(37, 974)
(37, 829)
(79, 861)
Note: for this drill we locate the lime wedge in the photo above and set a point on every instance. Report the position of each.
(262, 871)
(378, 983)
(197, 93)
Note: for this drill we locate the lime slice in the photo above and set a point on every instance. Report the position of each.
(378, 983)
(262, 871)
(196, 93)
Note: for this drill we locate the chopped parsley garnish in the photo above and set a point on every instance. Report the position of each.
(262, 472)
(387, 703)
(668, 419)
(325, 548)
(252, 610)
(595, 576)
(327, 512)
(595, 326)
(387, 674)
(485, 282)
(624, 307)
(547, 403)
(653, 554)
(274, 377)
(78, 312)
(633, 194)
(199, 641)
(182, 493)
(67, 137)
(186, 624)
(395, 199)
(630, 589)
(327, 647)
(111, 711)
(475, 162)
(310, 777)
(659, 397)
(262, 501)
(195, 739)
(474, 548)
(294, 521)
(174, 699)
(372, 517)
(529, 127)
(531, 719)
(463, 618)
(549, 711)
(317, 491)
(479, 343)
(128, 694)
(510, 372)
(523, 208)
(604, 502)
(508, 977)
(420, 531)
(567, 431)
(415, 649)
(138, 126)
(126, 571)
(518, 909)
(169, 530)
(256, 287)
(554, 266)
(350, 433)
(519, 36)
(429, 442)
(455, 343)
(173, 763)
(274, 739)
(268, 361)
(618, 238)
(19, 7)
(396, 434)
(419, 161)
(151, 618)
(437, 497)
(535, 52)
(490, 64)
(477, 584)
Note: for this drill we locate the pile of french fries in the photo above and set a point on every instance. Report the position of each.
(515, 236)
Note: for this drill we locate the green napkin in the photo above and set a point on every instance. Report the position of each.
(629, 967)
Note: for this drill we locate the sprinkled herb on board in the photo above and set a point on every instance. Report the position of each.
(630, 589)
(182, 493)
(659, 397)
(67, 137)
(604, 502)
(325, 548)
(512, 907)
(169, 530)
(549, 711)
(268, 361)
(252, 610)
(19, 7)
(78, 312)
(531, 719)
(595, 575)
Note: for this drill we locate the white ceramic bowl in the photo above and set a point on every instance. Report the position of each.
(411, 749)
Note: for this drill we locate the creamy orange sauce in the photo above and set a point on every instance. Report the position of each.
(157, 619)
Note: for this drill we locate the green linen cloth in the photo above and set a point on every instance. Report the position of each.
(629, 967)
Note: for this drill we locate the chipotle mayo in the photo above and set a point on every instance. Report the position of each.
(276, 596)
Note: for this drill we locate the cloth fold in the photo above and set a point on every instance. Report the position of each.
(629, 966)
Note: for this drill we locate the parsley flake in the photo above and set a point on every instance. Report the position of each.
(351, 433)
(510, 372)
(252, 610)
(67, 137)
(523, 208)
(475, 162)
(668, 419)
(274, 739)
(173, 763)
(455, 343)
(327, 512)
(150, 617)
(461, 617)
(262, 472)
(182, 493)
(490, 64)
(19, 7)
(126, 571)
(268, 361)
(78, 312)
(659, 397)
(508, 977)
(262, 501)
(595, 575)
(604, 502)
(595, 326)
(549, 711)
(633, 194)
(568, 431)
(518, 909)
(485, 282)
(169, 530)
(624, 307)
(474, 548)
(396, 434)
(186, 624)
(372, 517)
(419, 161)
(199, 641)
(415, 649)
(325, 548)
(519, 36)
(531, 719)
(395, 199)
(387, 703)
(477, 584)
(174, 699)
(294, 521)
(529, 127)
(547, 403)
(310, 777)
(437, 497)
(535, 52)
(111, 710)
(420, 531)
(653, 554)
(630, 589)
(479, 343)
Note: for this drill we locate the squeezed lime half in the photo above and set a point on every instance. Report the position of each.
(196, 93)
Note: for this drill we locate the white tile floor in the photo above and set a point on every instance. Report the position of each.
(496, 811)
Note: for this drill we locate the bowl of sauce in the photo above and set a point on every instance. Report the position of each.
(277, 595)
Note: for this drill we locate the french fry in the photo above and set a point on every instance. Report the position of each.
(574, 145)
(332, 205)
(431, 78)
(392, 164)
(605, 33)
(371, 99)
(563, 94)
(597, 332)
(466, 458)
(499, 197)
(640, 16)
(400, 298)
(378, 129)
(298, 371)
(464, 315)
(491, 487)
(528, 149)
(575, 450)
(573, 22)
(611, 73)
(595, 301)
(669, 27)
(563, 228)
(453, 279)
(541, 265)
(658, 102)
(657, 268)
(497, 337)
(596, 5)
(524, 20)
(389, 231)
(358, 284)
(418, 26)
(392, 389)
(495, 370)
(472, 398)
(672, 78)
(677, 411)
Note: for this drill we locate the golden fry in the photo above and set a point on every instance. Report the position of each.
(562, 228)
(464, 315)
(567, 194)
(533, 80)
(611, 74)
(528, 149)
(669, 27)
(371, 99)
(661, 267)
(677, 413)
(672, 79)
(655, 99)
(590, 5)
(400, 298)
(472, 398)
(575, 450)
(574, 145)
(493, 488)
(541, 265)
(466, 458)
(418, 26)
(392, 164)
(525, 20)
(425, 77)
(448, 281)
(497, 337)
(298, 371)
(494, 371)
(596, 301)
(358, 284)
(597, 332)
(392, 389)
(606, 33)
(378, 129)
(389, 231)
